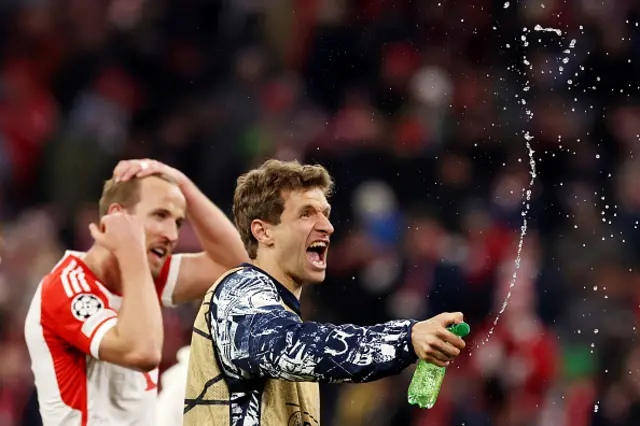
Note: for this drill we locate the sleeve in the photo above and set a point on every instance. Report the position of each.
(166, 281)
(75, 310)
(257, 337)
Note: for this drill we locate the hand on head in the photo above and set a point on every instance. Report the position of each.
(118, 231)
(128, 169)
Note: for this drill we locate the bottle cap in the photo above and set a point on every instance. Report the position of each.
(460, 330)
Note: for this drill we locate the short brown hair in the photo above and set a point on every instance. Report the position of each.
(258, 194)
(125, 193)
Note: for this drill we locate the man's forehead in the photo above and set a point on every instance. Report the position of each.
(314, 196)
(157, 185)
(157, 188)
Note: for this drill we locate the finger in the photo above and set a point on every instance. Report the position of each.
(428, 350)
(151, 167)
(95, 232)
(109, 219)
(130, 171)
(449, 318)
(447, 336)
(120, 167)
(436, 354)
(147, 170)
(437, 362)
(444, 348)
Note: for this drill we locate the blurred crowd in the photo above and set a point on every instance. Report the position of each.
(419, 110)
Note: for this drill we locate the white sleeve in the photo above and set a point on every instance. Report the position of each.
(99, 334)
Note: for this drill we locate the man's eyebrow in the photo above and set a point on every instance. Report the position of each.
(179, 219)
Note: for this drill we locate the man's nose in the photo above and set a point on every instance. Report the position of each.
(324, 225)
(171, 234)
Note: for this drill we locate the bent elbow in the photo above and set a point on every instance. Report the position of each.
(144, 361)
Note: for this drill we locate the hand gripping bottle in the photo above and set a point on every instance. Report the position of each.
(427, 379)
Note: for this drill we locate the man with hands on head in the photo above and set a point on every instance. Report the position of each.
(94, 328)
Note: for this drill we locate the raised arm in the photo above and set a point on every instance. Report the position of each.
(258, 337)
(223, 248)
(135, 341)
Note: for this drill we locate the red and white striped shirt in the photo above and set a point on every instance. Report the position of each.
(68, 317)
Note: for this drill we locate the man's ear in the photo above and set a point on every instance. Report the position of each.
(262, 231)
(115, 208)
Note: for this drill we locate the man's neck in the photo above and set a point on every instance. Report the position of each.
(105, 267)
(273, 269)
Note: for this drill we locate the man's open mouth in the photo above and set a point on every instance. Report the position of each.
(317, 253)
(159, 252)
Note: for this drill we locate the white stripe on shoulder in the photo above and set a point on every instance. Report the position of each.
(64, 277)
(73, 279)
(82, 279)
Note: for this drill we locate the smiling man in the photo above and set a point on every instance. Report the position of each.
(94, 327)
(253, 360)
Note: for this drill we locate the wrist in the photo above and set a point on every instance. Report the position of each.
(410, 347)
(182, 180)
(190, 191)
(133, 263)
(133, 251)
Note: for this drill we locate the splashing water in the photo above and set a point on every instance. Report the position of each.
(532, 166)
(551, 30)
(523, 228)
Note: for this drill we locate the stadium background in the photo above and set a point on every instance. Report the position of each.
(414, 108)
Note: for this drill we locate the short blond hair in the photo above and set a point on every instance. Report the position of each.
(258, 194)
(125, 193)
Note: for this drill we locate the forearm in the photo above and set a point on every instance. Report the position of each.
(140, 317)
(310, 351)
(217, 234)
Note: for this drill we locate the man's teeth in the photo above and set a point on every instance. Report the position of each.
(318, 244)
(159, 252)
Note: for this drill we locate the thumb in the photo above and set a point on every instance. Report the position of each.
(95, 232)
(449, 318)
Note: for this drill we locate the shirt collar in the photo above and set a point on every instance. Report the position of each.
(287, 296)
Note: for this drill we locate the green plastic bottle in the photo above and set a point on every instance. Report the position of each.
(427, 379)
